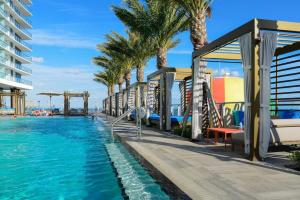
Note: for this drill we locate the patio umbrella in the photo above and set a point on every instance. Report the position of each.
(50, 95)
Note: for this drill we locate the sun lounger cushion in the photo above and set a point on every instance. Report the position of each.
(283, 131)
(291, 114)
(174, 119)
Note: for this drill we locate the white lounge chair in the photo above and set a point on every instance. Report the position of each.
(283, 132)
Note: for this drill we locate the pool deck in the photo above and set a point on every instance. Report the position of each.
(205, 171)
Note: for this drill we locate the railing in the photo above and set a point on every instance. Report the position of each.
(6, 31)
(22, 54)
(3, 44)
(22, 42)
(21, 28)
(21, 67)
(24, 5)
(15, 51)
(6, 62)
(18, 26)
(139, 127)
(14, 8)
(14, 79)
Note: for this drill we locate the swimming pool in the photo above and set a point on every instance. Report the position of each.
(68, 158)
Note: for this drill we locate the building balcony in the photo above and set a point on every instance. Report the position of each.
(21, 56)
(24, 46)
(24, 7)
(18, 14)
(25, 34)
(8, 81)
(14, 66)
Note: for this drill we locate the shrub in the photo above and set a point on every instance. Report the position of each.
(177, 130)
(295, 156)
(188, 132)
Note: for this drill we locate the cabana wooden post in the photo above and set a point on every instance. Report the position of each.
(227, 47)
(50, 95)
(17, 100)
(67, 97)
(161, 76)
(137, 91)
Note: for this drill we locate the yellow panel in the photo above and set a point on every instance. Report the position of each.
(234, 89)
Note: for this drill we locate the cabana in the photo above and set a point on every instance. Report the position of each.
(137, 96)
(269, 53)
(159, 96)
(17, 101)
(113, 105)
(119, 103)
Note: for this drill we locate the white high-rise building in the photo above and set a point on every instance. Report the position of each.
(14, 50)
(14, 54)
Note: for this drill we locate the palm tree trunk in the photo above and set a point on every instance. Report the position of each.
(140, 74)
(198, 30)
(161, 58)
(120, 83)
(111, 90)
(127, 79)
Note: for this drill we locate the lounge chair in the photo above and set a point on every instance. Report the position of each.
(283, 132)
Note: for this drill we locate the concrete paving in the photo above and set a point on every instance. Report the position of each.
(204, 171)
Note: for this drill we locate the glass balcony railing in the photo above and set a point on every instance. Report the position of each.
(25, 5)
(21, 67)
(15, 79)
(26, 44)
(18, 26)
(23, 55)
(6, 62)
(15, 51)
(10, 3)
(6, 31)
(3, 44)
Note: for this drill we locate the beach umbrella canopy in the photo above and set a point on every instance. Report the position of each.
(50, 95)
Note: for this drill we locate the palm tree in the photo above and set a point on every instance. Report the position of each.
(110, 61)
(115, 47)
(137, 49)
(141, 49)
(106, 78)
(156, 20)
(197, 11)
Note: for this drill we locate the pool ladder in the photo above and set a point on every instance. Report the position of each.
(137, 128)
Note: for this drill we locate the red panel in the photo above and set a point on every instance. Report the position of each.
(218, 90)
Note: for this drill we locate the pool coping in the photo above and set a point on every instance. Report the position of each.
(166, 184)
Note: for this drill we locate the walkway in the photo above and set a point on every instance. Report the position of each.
(208, 172)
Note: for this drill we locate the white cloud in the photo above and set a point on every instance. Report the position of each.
(226, 72)
(38, 59)
(60, 79)
(62, 39)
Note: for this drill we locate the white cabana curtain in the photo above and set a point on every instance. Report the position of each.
(268, 47)
(161, 99)
(198, 80)
(246, 53)
(170, 77)
(149, 104)
(125, 100)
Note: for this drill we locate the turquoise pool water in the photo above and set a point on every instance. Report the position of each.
(68, 158)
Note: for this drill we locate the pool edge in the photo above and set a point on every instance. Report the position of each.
(166, 184)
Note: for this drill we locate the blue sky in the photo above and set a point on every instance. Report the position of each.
(66, 32)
